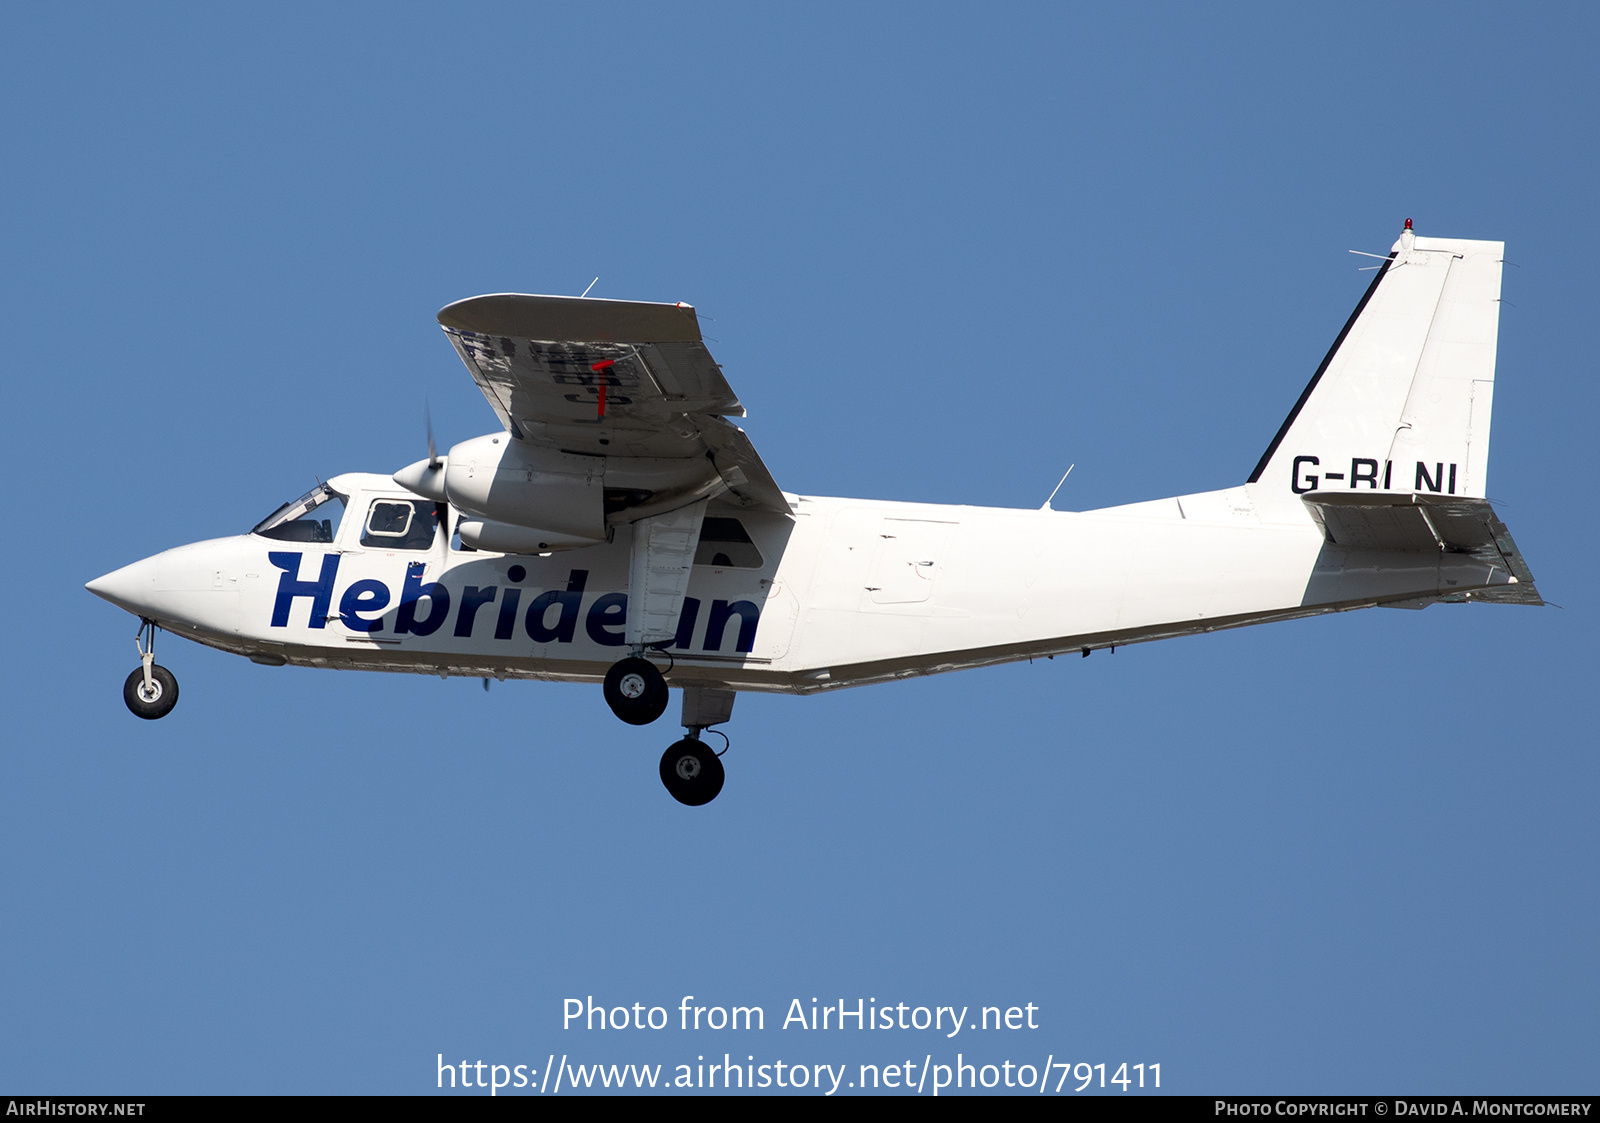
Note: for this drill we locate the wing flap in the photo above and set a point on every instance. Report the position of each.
(740, 466)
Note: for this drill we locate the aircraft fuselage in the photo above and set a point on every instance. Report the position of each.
(843, 592)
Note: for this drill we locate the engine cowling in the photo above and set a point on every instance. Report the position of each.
(511, 487)
(511, 482)
(522, 498)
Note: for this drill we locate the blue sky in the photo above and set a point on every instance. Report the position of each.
(942, 252)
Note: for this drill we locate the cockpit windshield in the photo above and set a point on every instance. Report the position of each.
(294, 522)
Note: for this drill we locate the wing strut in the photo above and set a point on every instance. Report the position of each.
(658, 573)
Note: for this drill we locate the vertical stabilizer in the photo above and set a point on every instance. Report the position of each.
(1401, 403)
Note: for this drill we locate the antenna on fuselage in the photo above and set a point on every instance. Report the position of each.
(592, 284)
(1064, 476)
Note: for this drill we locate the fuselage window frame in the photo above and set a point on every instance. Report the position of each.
(420, 514)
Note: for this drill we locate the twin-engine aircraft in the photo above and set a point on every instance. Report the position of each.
(619, 529)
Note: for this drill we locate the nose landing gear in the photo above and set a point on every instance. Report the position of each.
(152, 690)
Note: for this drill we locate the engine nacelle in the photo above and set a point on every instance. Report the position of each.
(519, 499)
(508, 481)
(562, 500)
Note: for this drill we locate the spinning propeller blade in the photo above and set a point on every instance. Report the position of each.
(427, 420)
(426, 477)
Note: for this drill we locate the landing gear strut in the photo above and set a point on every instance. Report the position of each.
(152, 690)
(635, 690)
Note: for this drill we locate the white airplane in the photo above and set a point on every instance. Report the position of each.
(618, 513)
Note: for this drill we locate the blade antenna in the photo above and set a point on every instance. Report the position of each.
(427, 421)
(1064, 476)
(592, 284)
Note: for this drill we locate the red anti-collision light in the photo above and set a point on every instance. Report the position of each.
(1408, 227)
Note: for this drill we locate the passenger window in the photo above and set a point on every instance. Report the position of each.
(397, 524)
(725, 545)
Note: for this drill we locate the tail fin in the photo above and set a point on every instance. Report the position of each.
(1401, 403)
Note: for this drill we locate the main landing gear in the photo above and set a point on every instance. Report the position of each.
(636, 691)
(151, 691)
(691, 771)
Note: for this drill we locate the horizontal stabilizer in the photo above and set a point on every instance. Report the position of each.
(1422, 521)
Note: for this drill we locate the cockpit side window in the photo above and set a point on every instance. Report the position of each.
(725, 544)
(400, 524)
(314, 517)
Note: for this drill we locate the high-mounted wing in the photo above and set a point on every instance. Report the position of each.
(615, 378)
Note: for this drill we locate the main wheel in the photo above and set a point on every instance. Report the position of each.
(155, 702)
(691, 772)
(635, 691)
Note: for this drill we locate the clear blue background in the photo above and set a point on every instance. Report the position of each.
(943, 252)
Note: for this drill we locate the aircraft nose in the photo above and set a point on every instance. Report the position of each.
(132, 587)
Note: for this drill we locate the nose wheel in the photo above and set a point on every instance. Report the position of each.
(153, 698)
(152, 690)
(636, 691)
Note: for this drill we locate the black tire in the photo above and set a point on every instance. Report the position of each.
(691, 772)
(161, 699)
(635, 691)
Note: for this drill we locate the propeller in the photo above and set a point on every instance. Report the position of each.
(435, 461)
(426, 477)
